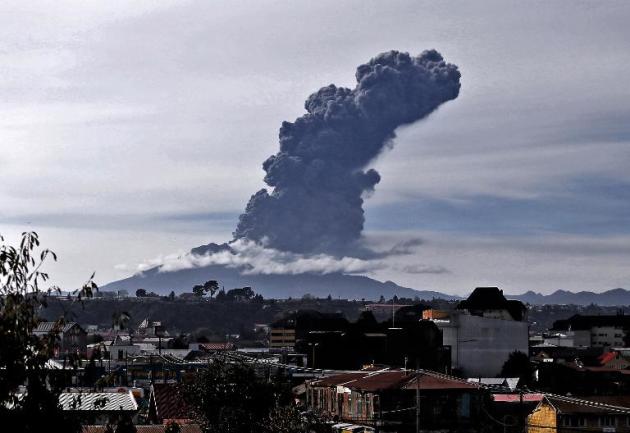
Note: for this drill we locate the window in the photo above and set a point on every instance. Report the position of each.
(607, 421)
(573, 421)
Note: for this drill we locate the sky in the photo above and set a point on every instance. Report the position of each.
(131, 131)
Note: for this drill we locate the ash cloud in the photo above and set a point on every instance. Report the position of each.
(320, 175)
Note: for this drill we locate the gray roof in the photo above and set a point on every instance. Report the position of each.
(98, 401)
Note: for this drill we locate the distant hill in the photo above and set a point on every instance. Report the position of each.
(609, 298)
(272, 286)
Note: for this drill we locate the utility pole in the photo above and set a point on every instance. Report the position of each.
(417, 398)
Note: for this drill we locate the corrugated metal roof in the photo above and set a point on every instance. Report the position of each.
(98, 401)
(169, 402)
(569, 405)
(393, 379)
(46, 327)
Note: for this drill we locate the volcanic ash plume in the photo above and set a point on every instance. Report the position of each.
(319, 176)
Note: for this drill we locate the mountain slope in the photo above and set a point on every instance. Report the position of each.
(271, 286)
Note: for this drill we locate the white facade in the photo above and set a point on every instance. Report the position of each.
(481, 345)
(569, 339)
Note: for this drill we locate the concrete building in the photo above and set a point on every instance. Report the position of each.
(597, 331)
(482, 333)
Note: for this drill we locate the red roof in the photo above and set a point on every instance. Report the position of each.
(394, 379)
(607, 357)
(426, 382)
(516, 398)
(169, 402)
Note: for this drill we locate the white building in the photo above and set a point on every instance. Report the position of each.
(483, 332)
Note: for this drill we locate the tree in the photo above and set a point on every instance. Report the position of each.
(120, 320)
(198, 290)
(231, 398)
(211, 286)
(23, 356)
(141, 293)
(517, 365)
(171, 296)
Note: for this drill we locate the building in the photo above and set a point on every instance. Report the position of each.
(287, 332)
(99, 407)
(483, 331)
(381, 399)
(568, 415)
(72, 337)
(600, 331)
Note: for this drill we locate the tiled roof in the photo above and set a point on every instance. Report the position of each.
(156, 428)
(169, 402)
(98, 401)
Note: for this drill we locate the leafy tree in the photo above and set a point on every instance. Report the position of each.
(198, 290)
(230, 398)
(171, 296)
(23, 356)
(211, 286)
(141, 293)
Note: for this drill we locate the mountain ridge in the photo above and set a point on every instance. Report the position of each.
(337, 285)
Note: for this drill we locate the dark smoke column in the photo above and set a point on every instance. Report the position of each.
(319, 175)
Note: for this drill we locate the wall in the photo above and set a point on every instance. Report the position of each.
(480, 346)
(542, 419)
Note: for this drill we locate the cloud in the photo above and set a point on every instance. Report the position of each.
(253, 258)
(423, 269)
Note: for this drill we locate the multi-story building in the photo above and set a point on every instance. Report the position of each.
(382, 399)
(599, 331)
(482, 333)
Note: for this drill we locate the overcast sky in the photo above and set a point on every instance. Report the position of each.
(133, 130)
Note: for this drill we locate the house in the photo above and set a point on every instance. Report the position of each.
(121, 347)
(167, 404)
(602, 331)
(567, 414)
(72, 337)
(382, 399)
(98, 407)
(483, 331)
(614, 360)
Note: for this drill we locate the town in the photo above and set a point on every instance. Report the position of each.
(398, 365)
